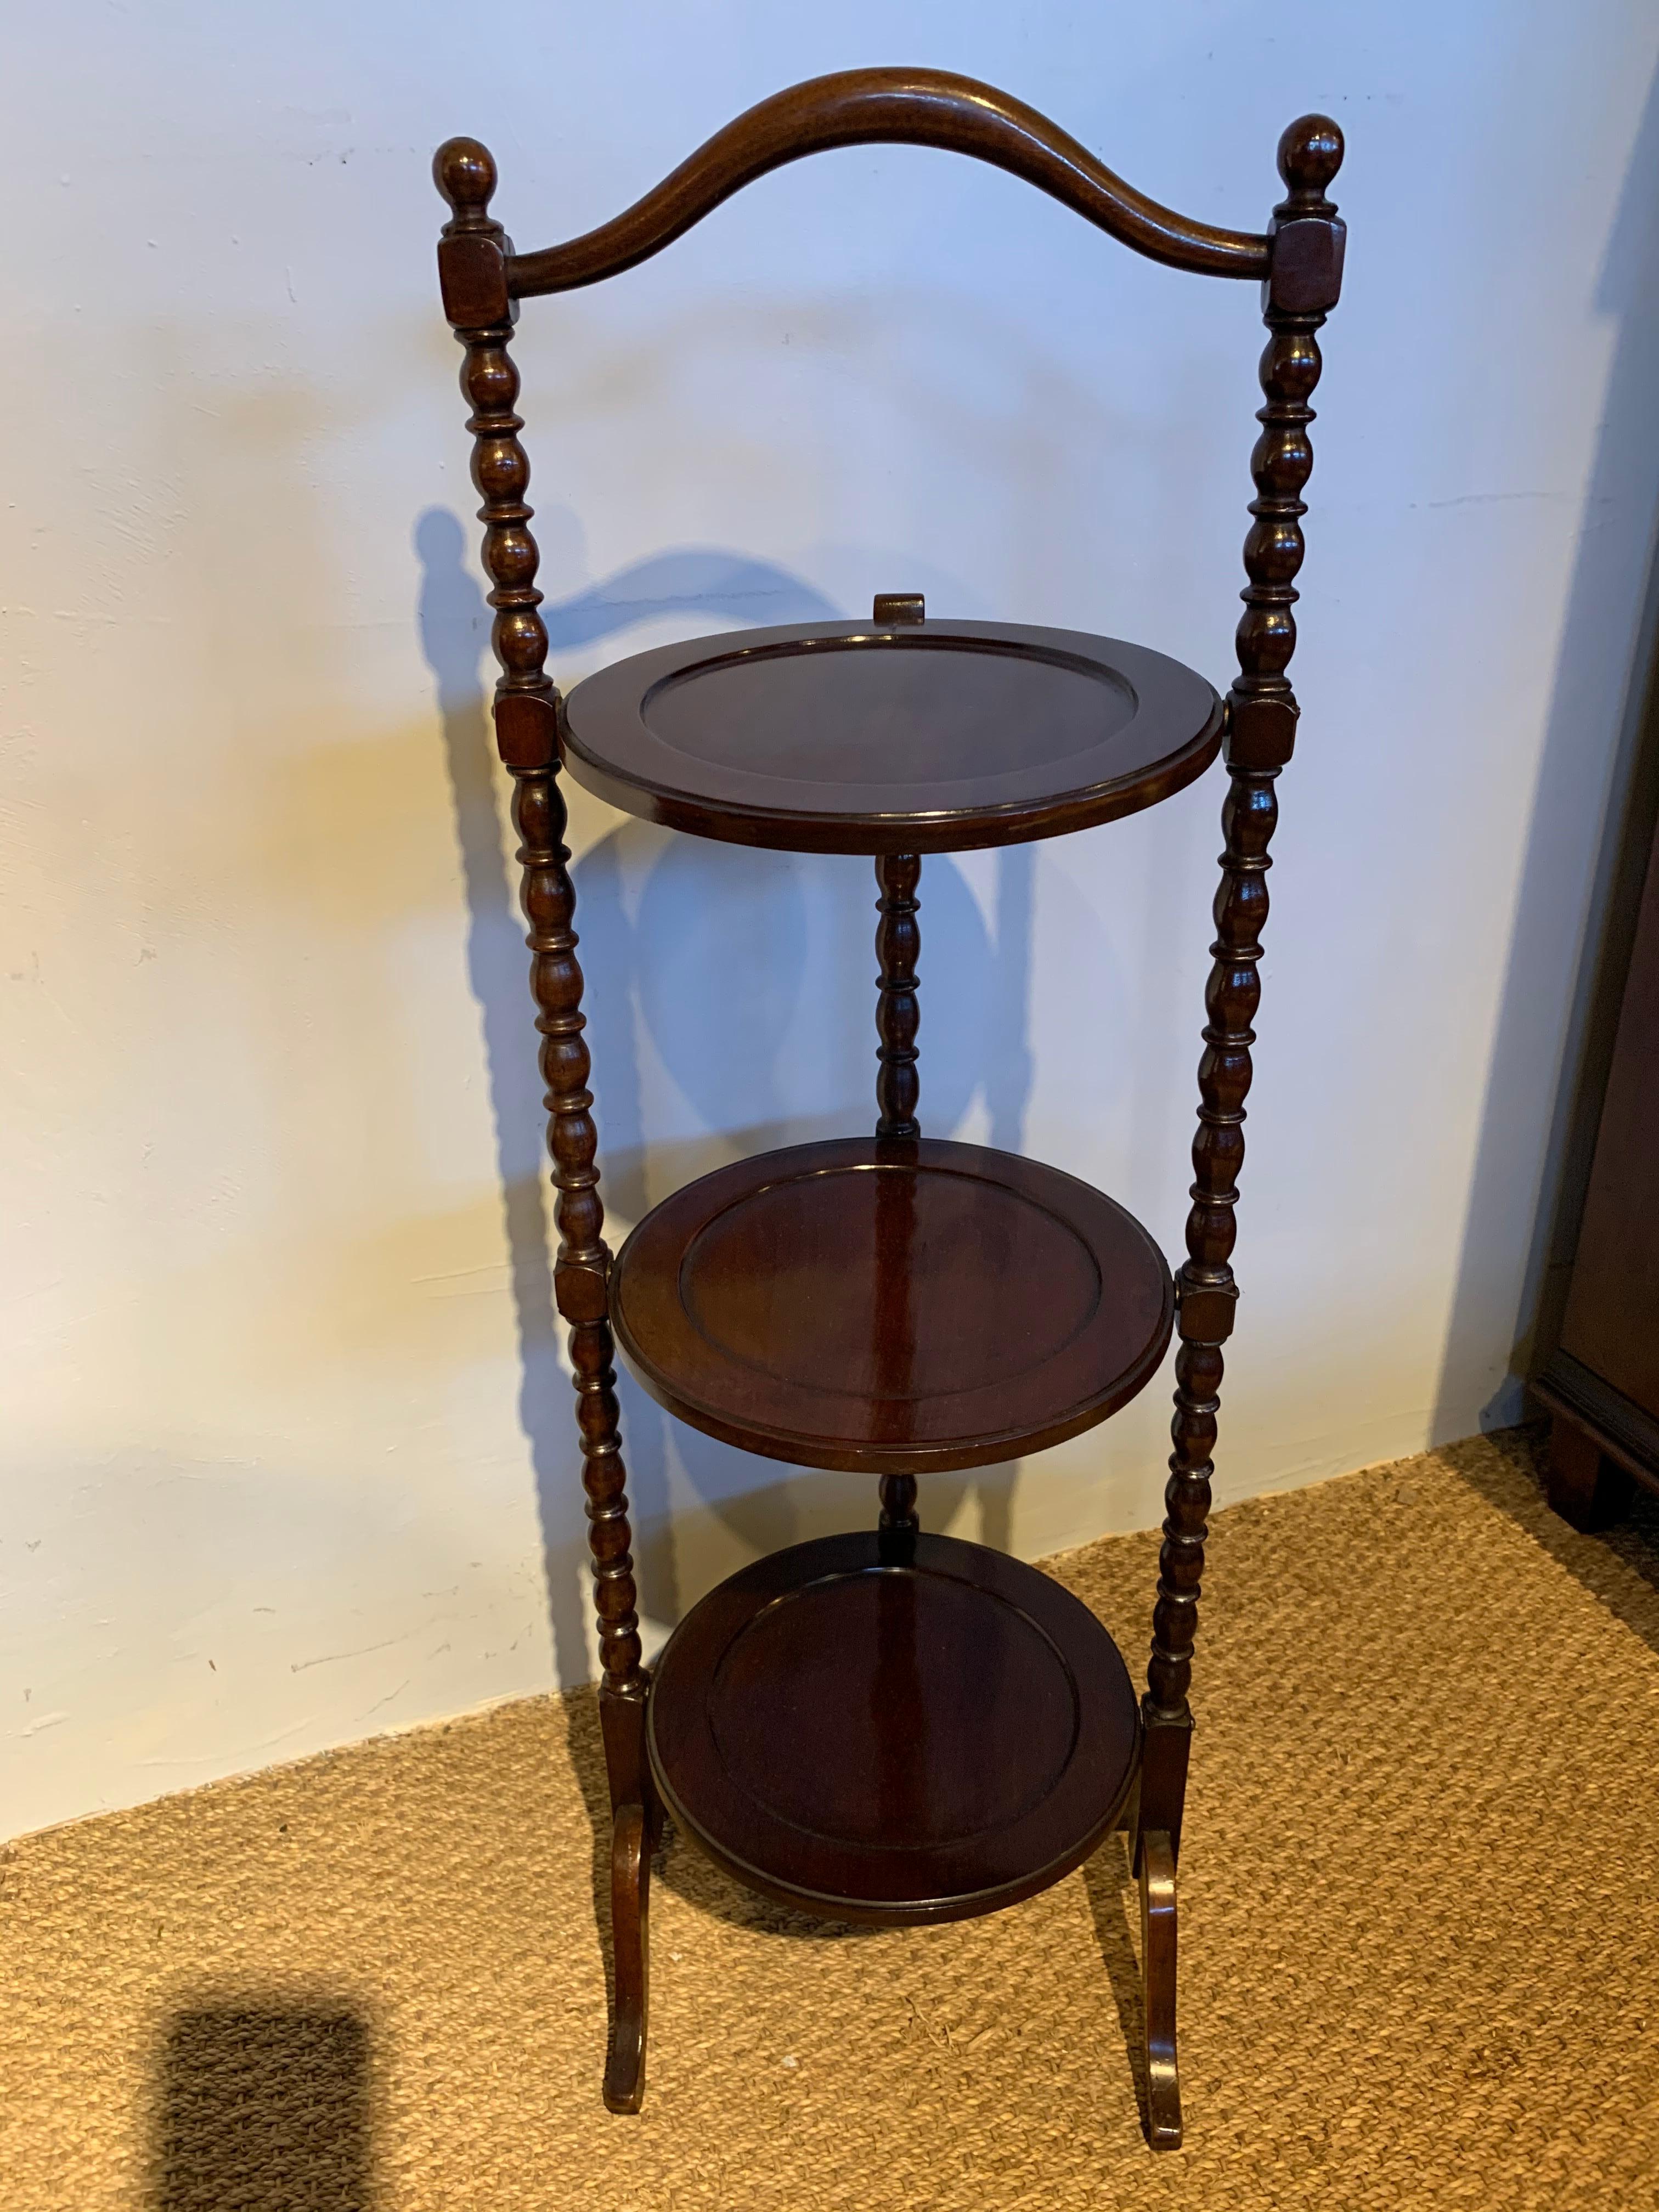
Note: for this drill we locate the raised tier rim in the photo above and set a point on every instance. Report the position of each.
(727, 805)
(642, 1309)
(1060, 1831)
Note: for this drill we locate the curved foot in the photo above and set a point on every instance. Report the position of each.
(630, 1898)
(1157, 1980)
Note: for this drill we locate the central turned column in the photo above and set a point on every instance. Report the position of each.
(899, 1087)
(898, 945)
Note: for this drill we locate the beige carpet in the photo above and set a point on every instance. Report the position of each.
(1420, 1938)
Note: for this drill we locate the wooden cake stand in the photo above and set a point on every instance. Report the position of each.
(893, 1726)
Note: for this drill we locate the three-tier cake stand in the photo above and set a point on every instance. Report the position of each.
(891, 1725)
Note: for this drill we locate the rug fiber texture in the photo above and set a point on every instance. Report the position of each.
(1419, 1937)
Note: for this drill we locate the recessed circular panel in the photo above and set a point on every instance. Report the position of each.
(891, 712)
(893, 1739)
(854, 1305)
(929, 738)
(819, 1662)
(900, 1237)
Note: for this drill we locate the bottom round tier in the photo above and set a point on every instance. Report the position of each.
(903, 1742)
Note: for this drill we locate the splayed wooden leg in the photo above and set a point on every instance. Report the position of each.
(630, 1898)
(1158, 1977)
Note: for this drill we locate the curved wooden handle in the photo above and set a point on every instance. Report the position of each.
(915, 108)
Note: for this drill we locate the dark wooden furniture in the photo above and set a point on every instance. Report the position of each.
(809, 739)
(894, 1726)
(1602, 1381)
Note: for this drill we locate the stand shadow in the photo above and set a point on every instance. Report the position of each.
(691, 1005)
(681, 973)
(263, 2106)
(681, 983)
(1114, 1898)
(676, 1864)
(454, 630)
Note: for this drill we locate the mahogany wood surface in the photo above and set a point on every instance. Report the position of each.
(631, 1901)
(932, 737)
(525, 717)
(894, 1725)
(892, 1307)
(894, 1743)
(898, 1092)
(898, 1015)
(1158, 1986)
(912, 107)
(1261, 733)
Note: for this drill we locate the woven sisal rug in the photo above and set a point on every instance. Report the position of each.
(1419, 1936)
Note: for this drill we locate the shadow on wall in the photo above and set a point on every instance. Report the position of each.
(263, 2106)
(1574, 793)
(698, 961)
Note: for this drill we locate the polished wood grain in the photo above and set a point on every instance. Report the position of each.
(894, 1726)
(630, 1898)
(900, 1521)
(899, 946)
(525, 717)
(909, 106)
(1261, 733)
(1158, 1988)
(898, 1014)
(525, 703)
(893, 1743)
(890, 609)
(891, 1309)
(932, 737)
(582, 1268)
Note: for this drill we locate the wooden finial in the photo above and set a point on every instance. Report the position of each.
(465, 172)
(1310, 155)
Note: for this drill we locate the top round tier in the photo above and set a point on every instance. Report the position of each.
(910, 737)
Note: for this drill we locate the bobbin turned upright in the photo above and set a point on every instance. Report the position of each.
(969, 1734)
(472, 260)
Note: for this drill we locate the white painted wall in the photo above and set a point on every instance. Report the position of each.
(287, 1456)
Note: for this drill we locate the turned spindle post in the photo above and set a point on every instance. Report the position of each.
(899, 946)
(1303, 285)
(899, 1524)
(472, 269)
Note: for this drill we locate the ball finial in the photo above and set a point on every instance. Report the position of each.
(1310, 154)
(465, 172)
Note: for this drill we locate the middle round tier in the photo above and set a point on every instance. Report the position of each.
(892, 1307)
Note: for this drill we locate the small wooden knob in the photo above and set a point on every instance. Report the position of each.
(892, 609)
(465, 172)
(1310, 155)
